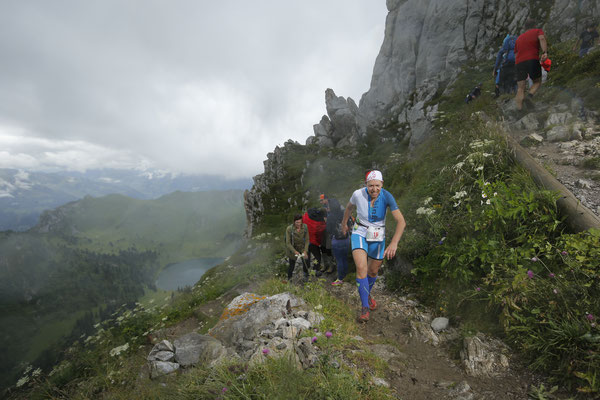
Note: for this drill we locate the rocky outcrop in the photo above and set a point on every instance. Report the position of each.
(273, 172)
(340, 127)
(251, 328)
(427, 41)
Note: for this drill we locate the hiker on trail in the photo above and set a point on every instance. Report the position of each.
(475, 93)
(296, 245)
(587, 40)
(504, 68)
(314, 218)
(327, 203)
(340, 241)
(527, 55)
(368, 235)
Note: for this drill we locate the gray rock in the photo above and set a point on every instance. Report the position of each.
(439, 324)
(484, 357)
(558, 119)
(583, 184)
(558, 133)
(290, 332)
(528, 122)
(160, 368)
(300, 323)
(247, 322)
(314, 318)
(307, 353)
(532, 140)
(194, 348)
(161, 356)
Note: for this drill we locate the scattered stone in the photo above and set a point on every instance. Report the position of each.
(558, 119)
(307, 353)
(532, 140)
(379, 382)
(529, 122)
(439, 324)
(583, 184)
(160, 368)
(300, 323)
(558, 133)
(484, 357)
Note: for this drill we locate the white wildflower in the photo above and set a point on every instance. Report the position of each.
(487, 154)
(495, 193)
(119, 349)
(165, 318)
(37, 372)
(484, 195)
(480, 168)
(457, 204)
(459, 195)
(458, 166)
(427, 201)
(488, 201)
(22, 381)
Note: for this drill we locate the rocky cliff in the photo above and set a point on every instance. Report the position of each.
(426, 43)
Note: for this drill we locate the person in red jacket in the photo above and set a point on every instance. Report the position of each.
(314, 218)
(527, 60)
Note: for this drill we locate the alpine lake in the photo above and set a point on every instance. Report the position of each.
(185, 273)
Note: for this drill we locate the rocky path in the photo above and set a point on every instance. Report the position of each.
(563, 139)
(421, 362)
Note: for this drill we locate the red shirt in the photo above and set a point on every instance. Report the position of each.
(527, 46)
(315, 229)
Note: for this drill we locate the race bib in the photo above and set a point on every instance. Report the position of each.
(375, 233)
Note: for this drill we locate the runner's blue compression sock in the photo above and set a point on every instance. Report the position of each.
(371, 282)
(363, 291)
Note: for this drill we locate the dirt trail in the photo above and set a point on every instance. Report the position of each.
(418, 370)
(562, 158)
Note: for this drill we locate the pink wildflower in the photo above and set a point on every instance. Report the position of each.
(224, 390)
(551, 275)
(478, 289)
(564, 253)
(266, 351)
(314, 339)
(530, 274)
(590, 317)
(555, 291)
(328, 334)
(534, 259)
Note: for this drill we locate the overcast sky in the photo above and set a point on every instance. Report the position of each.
(190, 86)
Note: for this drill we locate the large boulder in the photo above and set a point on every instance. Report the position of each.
(242, 321)
(193, 348)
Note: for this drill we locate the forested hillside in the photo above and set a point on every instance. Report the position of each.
(88, 258)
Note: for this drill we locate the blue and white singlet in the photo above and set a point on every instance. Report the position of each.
(371, 216)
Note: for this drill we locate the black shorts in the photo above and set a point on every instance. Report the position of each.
(529, 67)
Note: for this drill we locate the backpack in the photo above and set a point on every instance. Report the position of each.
(509, 49)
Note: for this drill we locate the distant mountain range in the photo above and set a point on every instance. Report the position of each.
(24, 195)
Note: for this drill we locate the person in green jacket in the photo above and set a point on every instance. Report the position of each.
(296, 245)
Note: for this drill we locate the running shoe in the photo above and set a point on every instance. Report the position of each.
(337, 282)
(364, 315)
(372, 303)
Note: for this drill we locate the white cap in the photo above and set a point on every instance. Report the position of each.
(374, 175)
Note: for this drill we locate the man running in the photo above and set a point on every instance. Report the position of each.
(368, 235)
(527, 54)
